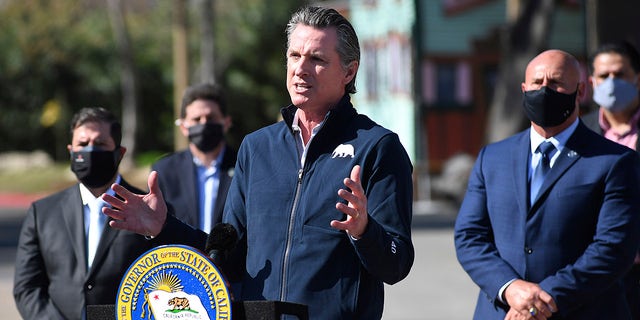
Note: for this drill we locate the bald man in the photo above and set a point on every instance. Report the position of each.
(548, 226)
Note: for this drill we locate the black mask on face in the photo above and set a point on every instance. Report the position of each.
(206, 136)
(548, 108)
(93, 167)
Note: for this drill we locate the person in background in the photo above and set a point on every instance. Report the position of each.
(322, 201)
(67, 258)
(196, 179)
(615, 79)
(549, 224)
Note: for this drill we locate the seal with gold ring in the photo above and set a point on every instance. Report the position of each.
(173, 282)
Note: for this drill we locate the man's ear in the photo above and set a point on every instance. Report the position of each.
(352, 69)
(123, 150)
(582, 86)
(184, 130)
(227, 123)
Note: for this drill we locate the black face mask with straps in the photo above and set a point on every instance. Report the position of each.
(95, 167)
(206, 136)
(548, 108)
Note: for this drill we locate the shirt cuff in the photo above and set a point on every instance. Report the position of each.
(502, 289)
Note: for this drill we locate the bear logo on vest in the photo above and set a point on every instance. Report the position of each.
(342, 151)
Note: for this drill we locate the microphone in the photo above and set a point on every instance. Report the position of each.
(221, 240)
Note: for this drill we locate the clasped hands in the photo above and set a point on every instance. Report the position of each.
(528, 301)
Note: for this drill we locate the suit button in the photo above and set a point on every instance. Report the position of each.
(528, 250)
(89, 286)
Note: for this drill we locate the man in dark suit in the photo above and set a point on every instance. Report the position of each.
(615, 78)
(62, 265)
(196, 180)
(548, 226)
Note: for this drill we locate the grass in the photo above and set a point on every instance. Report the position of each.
(36, 180)
(49, 179)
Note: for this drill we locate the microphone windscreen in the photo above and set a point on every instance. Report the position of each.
(223, 237)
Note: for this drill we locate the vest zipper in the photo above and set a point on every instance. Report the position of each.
(287, 250)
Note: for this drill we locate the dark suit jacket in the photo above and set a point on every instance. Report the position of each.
(51, 276)
(577, 239)
(178, 182)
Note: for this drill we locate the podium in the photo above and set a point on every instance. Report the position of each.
(101, 312)
(178, 278)
(241, 310)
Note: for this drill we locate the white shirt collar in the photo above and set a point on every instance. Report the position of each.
(87, 196)
(302, 148)
(296, 126)
(559, 140)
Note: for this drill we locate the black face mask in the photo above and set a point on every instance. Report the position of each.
(95, 168)
(548, 108)
(206, 136)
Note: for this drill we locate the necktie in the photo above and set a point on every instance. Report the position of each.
(96, 223)
(547, 150)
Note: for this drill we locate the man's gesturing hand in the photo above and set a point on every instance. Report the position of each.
(356, 211)
(142, 214)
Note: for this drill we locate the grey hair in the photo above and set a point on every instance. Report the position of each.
(348, 47)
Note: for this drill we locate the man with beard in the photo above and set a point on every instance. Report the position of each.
(67, 256)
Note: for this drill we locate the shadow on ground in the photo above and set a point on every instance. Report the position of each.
(433, 221)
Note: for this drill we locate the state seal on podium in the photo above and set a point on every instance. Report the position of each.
(173, 282)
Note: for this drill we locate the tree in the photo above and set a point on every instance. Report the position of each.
(252, 61)
(180, 64)
(127, 78)
(48, 49)
(60, 56)
(207, 41)
(521, 41)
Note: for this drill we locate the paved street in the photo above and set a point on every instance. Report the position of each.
(436, 288)
(10, 221)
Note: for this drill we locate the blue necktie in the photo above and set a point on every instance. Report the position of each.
(547, 150)
(96, 224)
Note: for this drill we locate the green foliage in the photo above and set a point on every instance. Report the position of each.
(63, 53)
(146, 159)
(252, 52)
(54, 51)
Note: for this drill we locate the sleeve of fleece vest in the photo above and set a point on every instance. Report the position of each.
(178, 232)
(385, 249)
